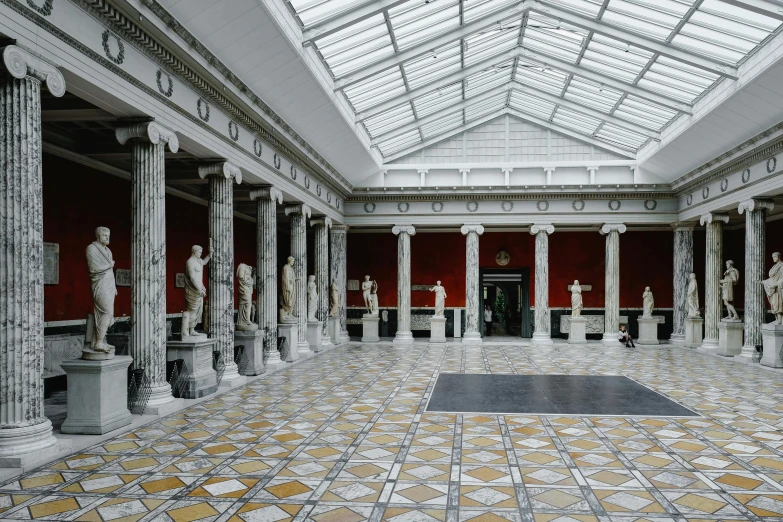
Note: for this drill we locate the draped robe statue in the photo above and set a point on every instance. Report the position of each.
(440, 299)
(244, 308)
(288, 293)
(101, 265)
(693, 297)
(648, 302)
(312, 299)
(576, 299)
(730, 278)
(334, 298)
(773, 288)
(195, 290)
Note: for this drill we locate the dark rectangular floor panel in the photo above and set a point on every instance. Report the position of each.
(550, 394)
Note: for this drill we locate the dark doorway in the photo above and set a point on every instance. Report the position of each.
(507, 291)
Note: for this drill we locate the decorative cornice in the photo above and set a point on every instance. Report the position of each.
(322, 221)
(358, 197)
(609, 227)
(155, 133)
(21, 63)
(340, 229)
(536, 228)
(713, 217)
(756, 204)
(222, 168)
(298, 209)
(685, 226)
(467, 229)
(408, 229)
(267, 192)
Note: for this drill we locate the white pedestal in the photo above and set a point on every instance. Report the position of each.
(772, 336)
(97, 395)
(333, 329)
(254, 351)
(541, 339)
(370, 329)
(437, 329)
(314, 329)
(290, 351)
(694, 330)
(708, 346)
(197, 354)
(578, 330)
(730, 338)
(648, 331)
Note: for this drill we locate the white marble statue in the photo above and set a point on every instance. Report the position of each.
(648, 302)
(440, 299)
(101, 265)
(730, 278)
(693, 297)
(312, 298)
(195, 290)
(774, 288)
(245, 307)
(288, 294)
(374, 298)
(334, 300)
(576, 299)
(366, 289)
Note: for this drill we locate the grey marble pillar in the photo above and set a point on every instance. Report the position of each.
(298, 215)
(321, 228)
(713, 270)
(612, 232)
(755, 211)
(220, 293)
(148, 254)
(542, 334)
(683, 266)
(338, 250)
(472, 289)
(404, 336)
(25, 432)
(267, 200)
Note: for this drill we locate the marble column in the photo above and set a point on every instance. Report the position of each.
(221, 177)
(542, 334)
(338, 248)
(713, 271)
(612, 232)
(298, 215)
(404, 336)
(755, 211)
(267, 200)
(321, 228)
(472, 289)
(683, 267)
(25, 432)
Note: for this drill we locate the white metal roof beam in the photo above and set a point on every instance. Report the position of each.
(764, 7)
(345, 19)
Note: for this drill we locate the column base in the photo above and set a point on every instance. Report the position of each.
(708, 346)
(24, 446)
(677, 338)
(472, 338)
(344, 337)
(611, 340)
(772, 336)
(403, 338)
(303, 347)
(231, 372)
(162, 402)
(747, 352)
(541, 339)
(241, 380)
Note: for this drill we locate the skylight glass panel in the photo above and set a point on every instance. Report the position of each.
(644, 113)
(677, 80)
(733, 14)
(442, 125)
(389, 120)
(435, 101)
(488, 80)
(524, 102)
(584, 7)
(614, 58)
(552, 37)
(484, 107)
(401, 142)
(592, 94)
(375, 90)
(575, 120)
(356, 46)
(541, 77)
(638, 18)
(475, 9)
(491, 42)
(432, 66)
(622, 137)
(311, 13)
(415, 22)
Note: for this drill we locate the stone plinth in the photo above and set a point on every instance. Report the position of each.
(314, 338)
(578, 333)
(730, 338)
(694, 327)
(708, 345)
(438, 330)
(97, 395)
(772, 337)
(197, 354)
(290, 332)
(254, 351)
(648, 330)
(334, 330)
(370, 329)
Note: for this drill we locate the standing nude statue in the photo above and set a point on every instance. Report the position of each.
(366, 289)
(195, 290)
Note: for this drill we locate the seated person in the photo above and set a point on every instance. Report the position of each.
(625, 337)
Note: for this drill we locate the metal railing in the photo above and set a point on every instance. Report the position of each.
(178, 378)
(218, 365)
(139, 391)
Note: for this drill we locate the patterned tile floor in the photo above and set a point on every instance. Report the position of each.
(344, 437)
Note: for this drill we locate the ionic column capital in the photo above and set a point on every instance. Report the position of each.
(21, 63)
(756, 204)
(151, 131)
(407, 229)
(684, 226)
(609, 227)
(298, 209)
(221, 168)
(467, 229)
(320, 222)
(713, 217)
(541, 227)
(340, 229)
(267, 192)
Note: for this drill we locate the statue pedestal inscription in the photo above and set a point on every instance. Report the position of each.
(772, 337)
(578, 330)
(333, 328)
(254, 351)
(370, 329)
(437, 329)
(694, 331)
(197, 354)
(648, 330)
(730, 337)
(97, 395)
(314, 336)
(290, 351)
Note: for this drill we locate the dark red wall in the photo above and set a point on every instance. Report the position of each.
(374, 255)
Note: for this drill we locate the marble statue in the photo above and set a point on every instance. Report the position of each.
(648, 302)
(366, 289)
(374, 298)
(730, 278)
(334, 300)
(774, 288)
(101, 266)
(245, 306)
(195, 290)
(440, 299)
(288, 294)
(693, 297)
(312, 298)
(576, 299)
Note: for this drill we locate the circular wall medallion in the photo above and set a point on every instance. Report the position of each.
(337, 203)
(578, 205)
(44, 10)
(614, 204)
(277, 161)
(542, 206)
(724, 184)
(502, 258)
(368, 207)
(746, 175)
(437, 206)
(650, 204)
(328, 197)
(705, 192)
(318, 189)
(293, 172)
(203, 109)
(772, 164)
(233, 130)
(689, 199)
(258, 148)
(307, 181)
(170, 86)
(507, 206)
(120, 56)
(472, 206)
(403, 206)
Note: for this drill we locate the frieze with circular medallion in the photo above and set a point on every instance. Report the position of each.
(437, 206)
(615, 204)
(120, 56)
(169, 90)
(472, 206)
(369, 207)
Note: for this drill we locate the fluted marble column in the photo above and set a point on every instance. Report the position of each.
(267, 200)
(337, 258)
(472, 289)
(321, 228)
(612, 232)
(25, 432)
(683, 266)
(299, 215)
(713, 271)
(755, 211)
(542, 334)
(404, 336)
(220, 293)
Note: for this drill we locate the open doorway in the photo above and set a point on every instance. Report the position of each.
(507, 292)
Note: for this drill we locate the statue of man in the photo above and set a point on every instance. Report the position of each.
(648, 302)
(774, 288)
(334, 298)
(245, 306)
(440, 299)
(730, 278)
(576, 299)
(312, 299)
(366, 288)
(693, 297)
(288, 289)
(101, 265)
(195, 289)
